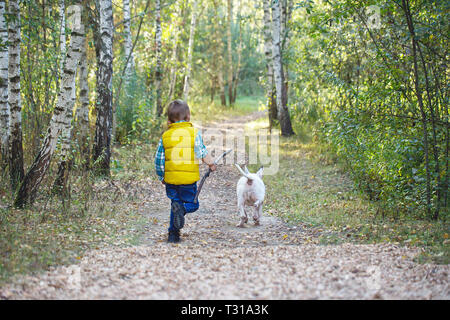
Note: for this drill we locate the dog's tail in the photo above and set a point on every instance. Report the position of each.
(245, 174)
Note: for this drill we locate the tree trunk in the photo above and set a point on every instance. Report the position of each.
(219, 52)
(158, 73)
(15, 143)
(283, 111)
(270, 92)
(223, 98)
(187, 77)
(236, 75)
(4, 105)
(103, 127)
(287, 14)
(65, 162)
(128, 45)
(173, 59)
(83, 109)
(62, 36)
(230, 53)
(239, 54)
(129, 68)
(38, 169)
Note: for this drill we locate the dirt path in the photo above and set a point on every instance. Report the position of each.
(217, 260)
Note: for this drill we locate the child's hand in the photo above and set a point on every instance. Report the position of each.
(210, 162)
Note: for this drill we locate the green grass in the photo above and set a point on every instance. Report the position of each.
(204, 110)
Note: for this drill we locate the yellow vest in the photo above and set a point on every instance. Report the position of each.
(181, 167)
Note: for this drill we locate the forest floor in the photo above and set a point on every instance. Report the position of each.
(280, 259)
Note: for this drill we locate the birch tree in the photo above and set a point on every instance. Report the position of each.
(62, 36)
(128, 44)
(15, 103)
(219, 50)
(271, 103)
(4, 105)
(187, 77)
(287, 7)
(36, 173)
(158, 74)
(238, 66)
(230, 53)
(103, 127)
(65, 162)
(83, 109)
(173, 59)
(283, 111)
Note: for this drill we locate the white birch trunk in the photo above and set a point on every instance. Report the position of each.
(187, 77)
(219, 48)
(283, 112)
(287, 13)
(230, 53)
(83, 109)
(173, 59)
(129, 70)
(67, 120)
(272, 110)
(15, 139)
(39, 168)
(282, 6)
(104, 123)
(65, 157)
(4, 104)
(62, 36)
(158, 75)
(238, 66)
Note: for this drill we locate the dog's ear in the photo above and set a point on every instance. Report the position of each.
(260, 172)
(246, 170)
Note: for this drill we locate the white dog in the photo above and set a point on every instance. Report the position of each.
(250, 191)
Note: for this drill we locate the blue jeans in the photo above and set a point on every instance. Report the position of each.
(184, 194)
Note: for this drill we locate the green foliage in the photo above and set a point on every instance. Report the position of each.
(135, 113)
(356, 85)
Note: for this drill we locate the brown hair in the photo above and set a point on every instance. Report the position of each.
(178, 110)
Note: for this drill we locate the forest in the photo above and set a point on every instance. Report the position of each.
(84, 86)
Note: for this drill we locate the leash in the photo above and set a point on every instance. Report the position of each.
(200, 185)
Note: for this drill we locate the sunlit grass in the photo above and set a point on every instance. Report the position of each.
(204, 110)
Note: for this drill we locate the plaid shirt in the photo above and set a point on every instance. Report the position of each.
(160, 156)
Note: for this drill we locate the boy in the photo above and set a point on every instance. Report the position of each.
(177, 165)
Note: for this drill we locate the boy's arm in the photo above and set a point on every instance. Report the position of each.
(202, 153)
(160, 161)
